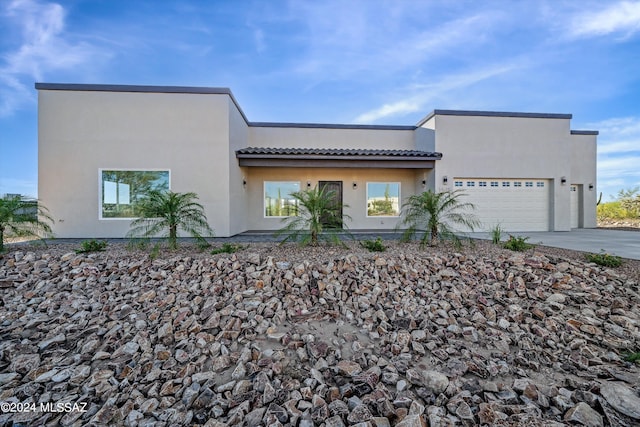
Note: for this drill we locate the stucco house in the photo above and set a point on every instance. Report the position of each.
(102, 146)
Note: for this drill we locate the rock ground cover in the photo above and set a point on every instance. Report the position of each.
(620, 224)
(310, 336)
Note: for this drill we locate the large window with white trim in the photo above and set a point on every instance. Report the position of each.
(383, 199)
(278, 201)
(122, 191)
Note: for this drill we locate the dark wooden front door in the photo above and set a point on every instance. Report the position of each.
(336, 187)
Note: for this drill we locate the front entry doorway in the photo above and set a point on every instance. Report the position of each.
(336, 188)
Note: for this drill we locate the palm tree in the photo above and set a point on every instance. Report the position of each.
(318, 218)
(435, 213)
(23, 216)
(163, 213)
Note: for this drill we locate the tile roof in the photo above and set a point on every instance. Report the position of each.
(336, 152)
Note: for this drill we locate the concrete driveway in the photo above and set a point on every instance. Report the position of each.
(625, 244)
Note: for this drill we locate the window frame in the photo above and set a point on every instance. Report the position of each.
(264, 197)
(100, 195)
(366, 200)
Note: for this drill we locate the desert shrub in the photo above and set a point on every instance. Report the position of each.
(630, 201)
(517, 243)
(496, 234)
(92, 246)
(632, 357)
(374, 245)
(604, 259)
(227, 248)
(155, 252)
(613, 210)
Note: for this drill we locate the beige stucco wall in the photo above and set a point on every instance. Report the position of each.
(292, 137)
(355, 198)
(512, 147)
(81, 132)
(238, 203)
(583, 173)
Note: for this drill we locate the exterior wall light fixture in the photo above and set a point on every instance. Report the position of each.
(308, 184)
(244, 182)
(563, 180)
(355, 185)
(590, 187)
(445, 180)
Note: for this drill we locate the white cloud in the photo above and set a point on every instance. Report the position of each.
(358, 40)
(394, 109)
(44, 47)
(612, 167)
(619, 126)
(619, 147)
(622, 17)
(423, 94)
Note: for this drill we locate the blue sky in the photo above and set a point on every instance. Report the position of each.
(345, 61)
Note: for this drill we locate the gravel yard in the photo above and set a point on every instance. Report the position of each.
(304, 336)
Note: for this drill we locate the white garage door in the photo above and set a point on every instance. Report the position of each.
(515, 204)
(575, 210)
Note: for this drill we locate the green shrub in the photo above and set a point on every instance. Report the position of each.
(613, 210)
(632, 357)
(374, 245)
(604, 259)
(227, 248)
(496, 234)
(155, 252)
(517, 243)
(92, 246)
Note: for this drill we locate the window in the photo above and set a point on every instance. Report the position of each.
(482, 183)
(494, 183)
(539, 184)
(458, 184)
(506, 183)
(122, 191)
(528, 184)
(383, 198)
(517, 184)
(471, 183)
(278, 201)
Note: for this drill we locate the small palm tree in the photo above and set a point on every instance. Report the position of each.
(435, 213)
(318, 218)
(22, 216)
(163, 213)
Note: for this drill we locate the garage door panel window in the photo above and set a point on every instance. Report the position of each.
(383, 199)
(123, 191)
